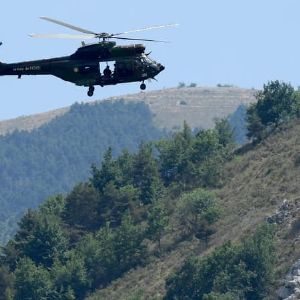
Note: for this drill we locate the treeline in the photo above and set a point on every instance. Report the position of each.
(104, 227)
(54, 157)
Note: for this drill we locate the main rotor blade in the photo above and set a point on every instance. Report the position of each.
(63, 36)
(68, 25)
(143, 40)
(147, 28)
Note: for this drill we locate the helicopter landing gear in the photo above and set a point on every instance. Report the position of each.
(143, 86)
(91, 91)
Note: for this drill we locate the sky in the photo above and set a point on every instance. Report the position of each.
(241, 42)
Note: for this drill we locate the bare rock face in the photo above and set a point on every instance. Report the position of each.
(291, 284)
(285, 212)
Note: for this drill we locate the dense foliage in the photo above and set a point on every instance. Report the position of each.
(232, 271)
(110, 224)
(278, 102)
(51, 159)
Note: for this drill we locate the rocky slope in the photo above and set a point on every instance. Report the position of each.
(199, 106)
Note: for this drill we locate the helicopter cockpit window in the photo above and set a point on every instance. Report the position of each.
(147, 60)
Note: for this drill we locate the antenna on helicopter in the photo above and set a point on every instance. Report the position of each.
(88, 34)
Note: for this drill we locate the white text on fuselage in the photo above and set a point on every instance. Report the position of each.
(29, 68)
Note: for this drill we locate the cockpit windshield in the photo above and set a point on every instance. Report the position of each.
(147, 59)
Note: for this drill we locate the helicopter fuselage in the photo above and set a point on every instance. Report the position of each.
(84, 67)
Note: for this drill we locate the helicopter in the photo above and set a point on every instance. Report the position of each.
(91, 64)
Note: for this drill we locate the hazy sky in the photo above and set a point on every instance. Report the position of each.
(241, 42)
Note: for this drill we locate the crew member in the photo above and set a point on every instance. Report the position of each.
(107, 72)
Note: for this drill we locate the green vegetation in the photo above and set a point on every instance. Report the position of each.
(196, 212)
(253, 186)
(138, 208)
(278, 102)
(241, 271)
(113, 223)
(53, 158)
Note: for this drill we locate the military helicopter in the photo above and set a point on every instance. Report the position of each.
(90, 64)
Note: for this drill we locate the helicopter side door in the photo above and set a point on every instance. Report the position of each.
(81, 73)
(107, 69)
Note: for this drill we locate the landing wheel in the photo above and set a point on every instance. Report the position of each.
(143, 86)
(91, 91)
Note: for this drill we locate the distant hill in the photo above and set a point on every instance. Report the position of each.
(199, 106)
(58, 154)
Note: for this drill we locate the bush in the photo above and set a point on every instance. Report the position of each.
(276, 103)
(242, 271)
(196, 212)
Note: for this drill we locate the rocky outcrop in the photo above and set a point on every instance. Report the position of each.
(285, 212)
(290, 289)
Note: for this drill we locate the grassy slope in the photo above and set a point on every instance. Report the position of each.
(255, 184)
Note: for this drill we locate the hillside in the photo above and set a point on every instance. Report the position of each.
(199, 106)
(256, 182)
(189, 217)
(57, 155)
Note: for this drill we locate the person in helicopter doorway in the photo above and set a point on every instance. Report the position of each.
(107, 72)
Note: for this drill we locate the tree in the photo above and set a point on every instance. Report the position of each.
(196, 212)
(157, 221)
(232, 271)
(107, 173)
(206, 144)
(98, 253)
(114, 202)
(259, 255)
(6, 283)
(174, 158)
(276, 103)
(145, 174)
(255, 127)
(128, 246)
(47, 242)
(82, 207)
(32, 282)
(40, 238)
(125, 165)
(225, 133)
(54, 205)
(70, 279)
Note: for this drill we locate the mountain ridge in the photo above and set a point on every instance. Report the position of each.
(199, 106)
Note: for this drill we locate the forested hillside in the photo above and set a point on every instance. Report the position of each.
(187, 217)
(54, 157)
(246, 257)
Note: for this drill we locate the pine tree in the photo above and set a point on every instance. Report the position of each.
(145, 174)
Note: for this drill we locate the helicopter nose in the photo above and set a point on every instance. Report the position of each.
(161, 67)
